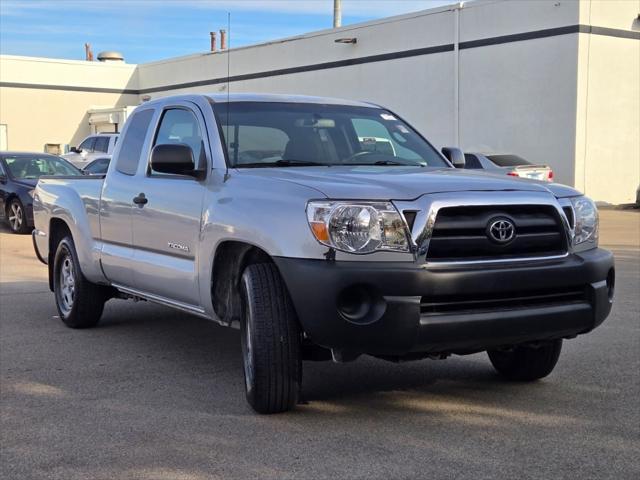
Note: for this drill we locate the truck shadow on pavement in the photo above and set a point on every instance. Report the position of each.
(205, 358)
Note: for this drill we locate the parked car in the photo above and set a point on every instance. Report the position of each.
(19, 173)
(318, 248)
(92, 147)
(99, 166)
(509, 164)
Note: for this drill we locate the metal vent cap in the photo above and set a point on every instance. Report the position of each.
(110, 56)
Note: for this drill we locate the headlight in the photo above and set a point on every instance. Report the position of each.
(358, 227)
(586, 221)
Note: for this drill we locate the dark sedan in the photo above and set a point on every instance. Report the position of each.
(19, 173)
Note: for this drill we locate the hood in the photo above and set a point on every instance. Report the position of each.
(26, 182)
(399, 183)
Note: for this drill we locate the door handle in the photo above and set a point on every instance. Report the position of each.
(140, 199)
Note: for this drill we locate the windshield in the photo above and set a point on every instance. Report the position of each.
(262, 134)
(34, 166)
(507, 160)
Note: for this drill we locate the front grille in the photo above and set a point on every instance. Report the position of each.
(461, 233)
(503, 301)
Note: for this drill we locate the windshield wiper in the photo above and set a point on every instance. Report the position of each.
(386, 162)
(281, 163)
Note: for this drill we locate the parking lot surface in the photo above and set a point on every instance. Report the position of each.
(156, 394)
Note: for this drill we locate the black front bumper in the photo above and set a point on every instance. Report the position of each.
(388, 308)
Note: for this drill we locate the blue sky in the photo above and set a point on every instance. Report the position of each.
(147, 30)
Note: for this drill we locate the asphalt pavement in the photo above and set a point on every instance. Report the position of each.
(156, 394)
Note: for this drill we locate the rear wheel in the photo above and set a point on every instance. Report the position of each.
(526, 362)
(17, 217)
(270, 340)
(79, 302)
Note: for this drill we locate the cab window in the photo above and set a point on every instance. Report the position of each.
(180, 126)
(101, 145)
(87, 145)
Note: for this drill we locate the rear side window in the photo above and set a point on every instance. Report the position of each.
(98, 166)
(133, 141)
(471, 161)
(507, 160)
(102, 144)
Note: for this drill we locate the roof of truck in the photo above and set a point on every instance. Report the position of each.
(271, 97)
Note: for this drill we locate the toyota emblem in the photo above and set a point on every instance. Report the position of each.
(501, 230)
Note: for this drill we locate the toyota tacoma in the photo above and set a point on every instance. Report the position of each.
(292, 219)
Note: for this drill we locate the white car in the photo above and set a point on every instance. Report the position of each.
(510, 164)
(91, 148)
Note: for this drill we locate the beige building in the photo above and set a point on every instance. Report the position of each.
(556, 82)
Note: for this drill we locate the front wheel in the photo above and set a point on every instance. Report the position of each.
(527, 362)
(79, 302)
(270, 340)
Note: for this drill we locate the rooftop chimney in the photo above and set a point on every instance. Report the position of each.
(213, 41)
(223, 39)
(88, 54)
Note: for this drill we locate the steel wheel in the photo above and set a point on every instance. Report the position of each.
(66, 287)
(16, 216)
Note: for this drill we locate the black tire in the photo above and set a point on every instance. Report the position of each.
(16, 217)
(525, 363)
(79, 302)
(270, 340)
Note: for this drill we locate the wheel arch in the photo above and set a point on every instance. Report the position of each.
(230, 259)
(9, 199)
(58, 229)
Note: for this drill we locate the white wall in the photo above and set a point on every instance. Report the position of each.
(35, 116)
(608, 106)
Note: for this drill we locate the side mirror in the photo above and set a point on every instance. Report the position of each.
(75, 150)
(175, 159)
(454, 155)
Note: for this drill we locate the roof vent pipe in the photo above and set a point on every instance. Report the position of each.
(110, 57)
(88, 54)
(337, 13)
(213, 41)
(223, 39)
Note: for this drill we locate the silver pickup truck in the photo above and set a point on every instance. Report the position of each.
(278, 215)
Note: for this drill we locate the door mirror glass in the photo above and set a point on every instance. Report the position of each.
(175, 159)
(454, 155)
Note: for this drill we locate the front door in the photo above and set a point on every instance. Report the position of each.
(166, 227)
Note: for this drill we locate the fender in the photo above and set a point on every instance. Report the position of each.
(75, 201)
